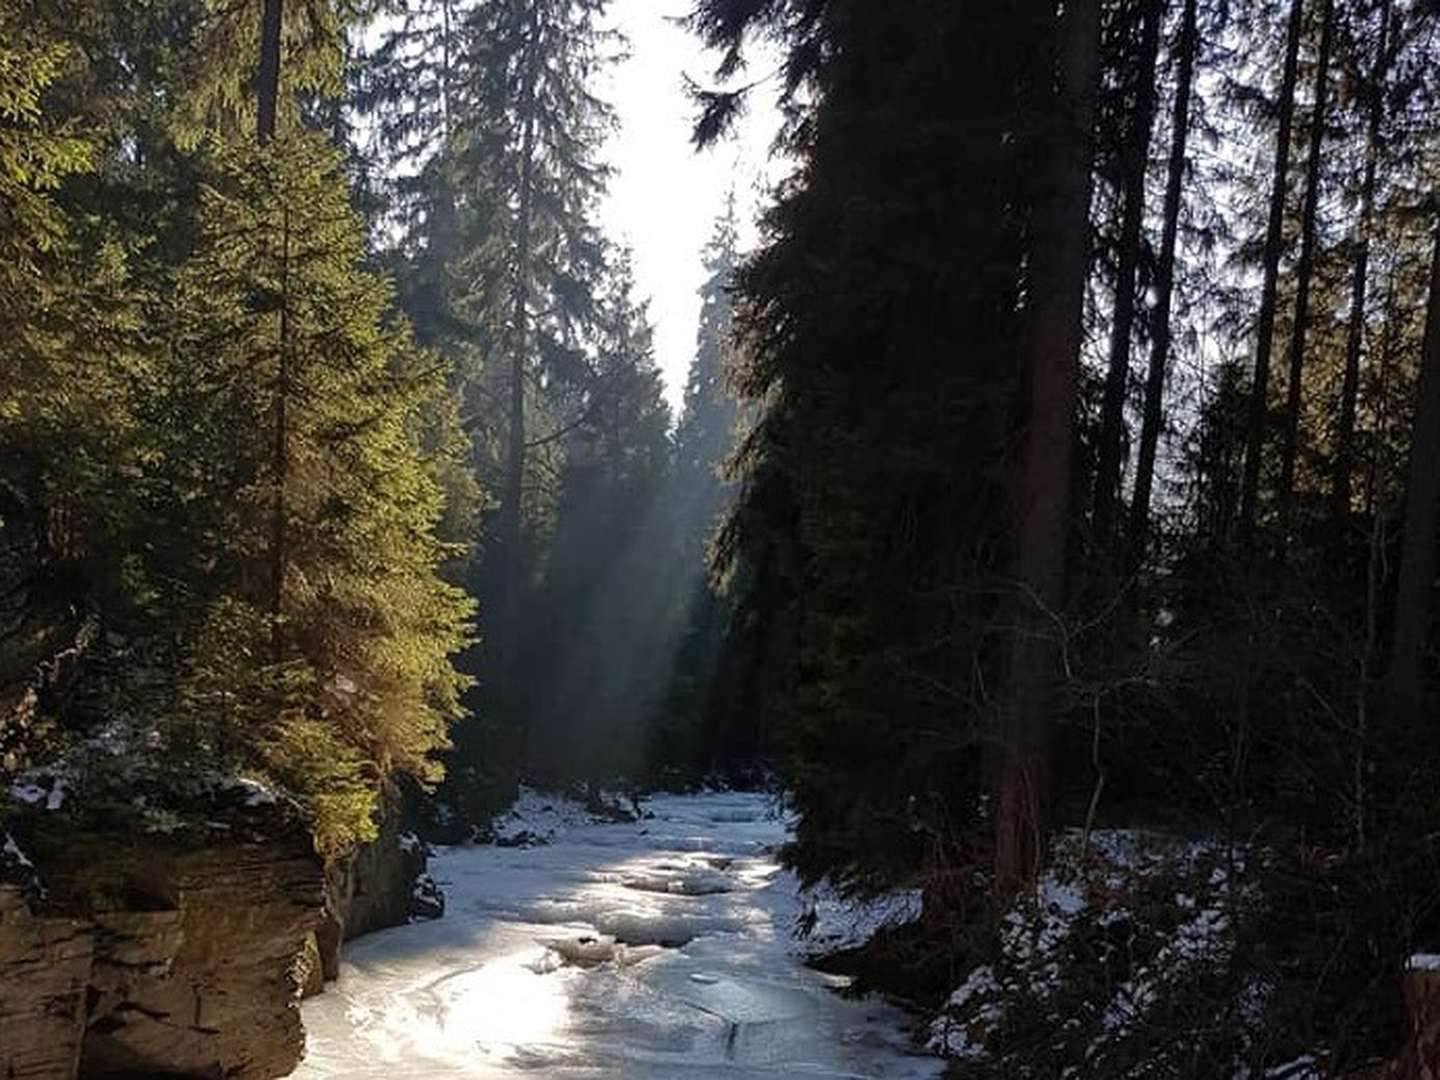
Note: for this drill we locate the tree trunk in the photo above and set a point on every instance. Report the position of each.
(1344, 461)
(281, 463)
(268, 94)
(1136, 157)
(1422, 515)
(267, 78)
(513, 494)
(1050, 357)
(445, 74)
(1165, 289)
(1304, 272)
(1265, 332)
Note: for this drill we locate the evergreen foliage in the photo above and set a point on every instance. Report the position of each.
(186, 409)
(712, 715)
(281, 347)
(869, 541)
(1228, 676)
(599, 629)
(313, 354)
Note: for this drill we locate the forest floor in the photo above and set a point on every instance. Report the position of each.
(657, 948)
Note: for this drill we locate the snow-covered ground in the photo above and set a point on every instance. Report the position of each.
(656, 949)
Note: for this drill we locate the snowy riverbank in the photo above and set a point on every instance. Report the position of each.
(654, 949)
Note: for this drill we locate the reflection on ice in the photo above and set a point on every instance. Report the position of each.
(648, 950)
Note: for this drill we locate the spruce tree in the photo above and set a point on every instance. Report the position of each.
(706, 725)
(705, 434)
(275, 309)
(865, 554)
(70, 358)
(529, 136)
(599, 626)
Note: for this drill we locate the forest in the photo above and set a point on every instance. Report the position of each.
(1051, 520)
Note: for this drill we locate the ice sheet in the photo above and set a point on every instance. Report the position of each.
(647, 950)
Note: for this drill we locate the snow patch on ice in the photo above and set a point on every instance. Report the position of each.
(540, 814)
(587, 950)
(688, 878)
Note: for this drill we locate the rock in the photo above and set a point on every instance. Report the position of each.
(309, 971)
(1420, 1059)
(427, 901)
(225, 1001)
(522, 839)
(146, 950)
(375, 887)
(44, 970)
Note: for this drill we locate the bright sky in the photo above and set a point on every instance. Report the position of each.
(664, 197)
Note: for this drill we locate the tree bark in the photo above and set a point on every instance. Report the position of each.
(1344, 460)
(1265, 331)
(268, 94)
(1165, 290)
(1304, 272)
(267, 79)
(1422, 516)
(281, 463)
(513, 494)
(1050, 357)
(1136, 158)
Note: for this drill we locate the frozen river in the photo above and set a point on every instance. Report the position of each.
(654, 949)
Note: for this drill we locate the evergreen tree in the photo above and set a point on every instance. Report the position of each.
(1273, 249)
(1186, 47)
(598, 630)
(712, 716)
(70, 358)
(705, 435)
(487, 113)
(281, 340)
(1137, 107)
(528, 141)
(1051, 355)
(867, 547)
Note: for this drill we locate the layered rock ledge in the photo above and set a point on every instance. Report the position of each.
(137, 940)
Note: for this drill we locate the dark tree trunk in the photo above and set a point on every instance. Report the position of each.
(1304, 272)
(268, 95)
(281, 463)
(267, 78)
(1165, 290)
(1265, 331)
(513, 495)
(1050, 355)
(1135, 159)
(1344, 461)
(1422, 515)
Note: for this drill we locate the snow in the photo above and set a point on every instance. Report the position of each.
(41, 786)
(1092, 898)
(839, 924)
(1424, 962)
(657, 950)
(541, 815)
(256, 793)
(12, 853)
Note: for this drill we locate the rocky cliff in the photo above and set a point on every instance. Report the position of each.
(139, 941)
